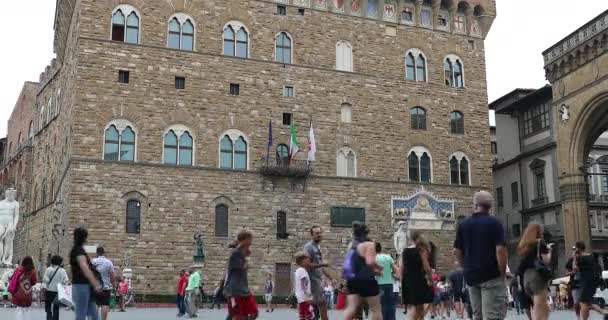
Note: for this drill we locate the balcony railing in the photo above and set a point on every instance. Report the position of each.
(284, 168)
(539, 201)
(598, 199)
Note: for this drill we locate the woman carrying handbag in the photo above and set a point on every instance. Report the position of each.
(53, 276)
(534, 269)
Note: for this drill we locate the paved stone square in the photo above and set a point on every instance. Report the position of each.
(281, 314)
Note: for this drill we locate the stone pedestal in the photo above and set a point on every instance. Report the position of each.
(5, 273)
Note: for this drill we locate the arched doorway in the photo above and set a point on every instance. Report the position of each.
(575, 142)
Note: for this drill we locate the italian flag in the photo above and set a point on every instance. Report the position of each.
(294, 144)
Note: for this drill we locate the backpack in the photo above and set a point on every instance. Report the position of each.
(349, 270)
(23, 294)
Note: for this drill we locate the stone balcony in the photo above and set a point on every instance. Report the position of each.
(283, 168)
(539, 202)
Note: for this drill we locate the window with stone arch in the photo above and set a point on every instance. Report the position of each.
(30, 131)
(454, 71)
(49, 109)
(282, 225)
(58, 102)
(234, 150)
(346, 113)
(120, 141)
(125, 24)
(221, 220)
(282, 155)
(181, 32)
(43, 193)
(418, 118)
(178, 147)
(41, 118)
(133, 220)
(457, 122)
(344, 56)
(236, 40)
(415, 65)
(420, 164)
(346, 162)
(460, 169)
(283, 48)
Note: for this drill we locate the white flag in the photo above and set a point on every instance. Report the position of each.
(312, 146)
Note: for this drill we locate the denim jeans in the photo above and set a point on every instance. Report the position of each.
(52, 309)
(181, 306)
(388, 300)
(84, 302)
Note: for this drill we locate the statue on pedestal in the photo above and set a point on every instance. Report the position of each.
(400, 237)
(9, 217)
(199, 256)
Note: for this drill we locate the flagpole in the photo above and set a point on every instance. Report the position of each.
(308, 156)
(269, 140)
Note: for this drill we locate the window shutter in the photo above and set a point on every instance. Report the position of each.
(133, 216)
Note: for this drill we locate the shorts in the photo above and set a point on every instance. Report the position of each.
(460, 297)
(317, 290)
(489, 299)
(436, 299)
(444, 296)
(242, 307)
(534, 282)
(268, 298)
(304, 312)
(103, 299)
(363, 288)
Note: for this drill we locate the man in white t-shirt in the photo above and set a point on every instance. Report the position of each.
(303, 290)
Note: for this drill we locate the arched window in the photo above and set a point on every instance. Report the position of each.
(282, 225)
(418, 118)
(449, 73)
(181, 33)
(30, 131)
(178, 146)
(125, 29)
(283, 48)
(119, 141)
(226, 155)
(49, 109)
(19, 142)
(43, 203)
(346, 113)
(36, 197)
(234, 151)
(344, 56)
(58, 102)
(420, 165)
(454, 71)
(459, 169)
(410, 67)
(236, 40)
(221, 220)
(457, 122)
(346, 163)
(133, 216)
(282, 154)
(415, 65)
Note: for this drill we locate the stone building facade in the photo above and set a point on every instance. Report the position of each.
(157, 128)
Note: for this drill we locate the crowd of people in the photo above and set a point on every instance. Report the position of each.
(479, 286)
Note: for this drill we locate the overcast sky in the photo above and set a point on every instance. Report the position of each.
(522, 30)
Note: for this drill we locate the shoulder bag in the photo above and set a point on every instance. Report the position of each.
(539, 264)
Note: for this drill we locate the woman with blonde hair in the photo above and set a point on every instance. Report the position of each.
(416, 275)
(534, 272)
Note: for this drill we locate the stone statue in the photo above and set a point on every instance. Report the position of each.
(9, 217)
(199, 257)
(400, 237)
(564, 113)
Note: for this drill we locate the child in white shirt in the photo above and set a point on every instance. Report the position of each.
(303, 292)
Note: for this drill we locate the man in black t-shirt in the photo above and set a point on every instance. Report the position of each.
(586, 268)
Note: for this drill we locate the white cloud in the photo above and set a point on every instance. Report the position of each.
(524, 29)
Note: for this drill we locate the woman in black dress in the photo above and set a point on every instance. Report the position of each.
(416, 276)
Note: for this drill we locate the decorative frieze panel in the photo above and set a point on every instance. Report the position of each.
(423, 211)
(593, 28)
